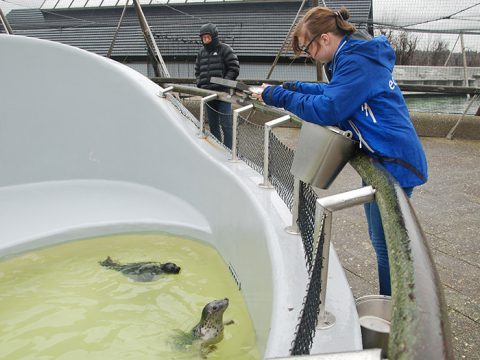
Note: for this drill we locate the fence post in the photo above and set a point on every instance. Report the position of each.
(163, 91)
(236, 113)
(203, 101)
(324, 213)
(293, 229)
(266, 151)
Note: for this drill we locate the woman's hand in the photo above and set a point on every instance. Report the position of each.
(258, 90)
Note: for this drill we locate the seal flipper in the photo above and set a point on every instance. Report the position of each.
(108, 263)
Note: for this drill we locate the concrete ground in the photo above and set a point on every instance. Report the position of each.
(448, 207)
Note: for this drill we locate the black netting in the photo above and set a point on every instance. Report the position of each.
(186, 106)
(306, 220)
(305, 331)
(250, 143)
(250, 146)
(280, 162)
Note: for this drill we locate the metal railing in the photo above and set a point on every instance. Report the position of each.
(323, 222)
(420, 326)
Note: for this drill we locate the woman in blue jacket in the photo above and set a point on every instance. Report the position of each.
(362, 97)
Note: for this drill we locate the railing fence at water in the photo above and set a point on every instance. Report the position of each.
(259, 147)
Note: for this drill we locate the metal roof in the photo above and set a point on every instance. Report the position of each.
(253, 29)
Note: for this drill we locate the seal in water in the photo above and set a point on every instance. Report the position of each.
(141, 271)
(209, 330)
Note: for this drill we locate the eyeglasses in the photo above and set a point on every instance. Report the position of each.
(305, 48)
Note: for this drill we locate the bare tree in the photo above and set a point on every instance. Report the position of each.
(439, 53)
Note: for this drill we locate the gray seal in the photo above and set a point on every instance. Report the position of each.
(210, 328)
(141, 271)
(208, 332)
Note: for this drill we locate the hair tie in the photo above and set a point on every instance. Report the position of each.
(337, 13)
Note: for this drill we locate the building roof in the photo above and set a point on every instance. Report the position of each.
(253, 29)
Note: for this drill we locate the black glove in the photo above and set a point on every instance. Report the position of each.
(289, 86)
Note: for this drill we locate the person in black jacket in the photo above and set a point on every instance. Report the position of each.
(216, 59)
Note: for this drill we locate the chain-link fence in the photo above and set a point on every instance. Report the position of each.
(250, 148)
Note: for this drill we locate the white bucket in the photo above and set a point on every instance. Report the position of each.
(374, 313)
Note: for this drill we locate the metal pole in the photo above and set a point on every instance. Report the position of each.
(266, 152)
(464, 60)
(163, 91)
(203, 101)
(293, 229)
(451, 51)
(5, 23)
(236, 113)
(285, 41)
(325, 319)
(109, 53)
(452, 130)
(323, 213)
(161, 68)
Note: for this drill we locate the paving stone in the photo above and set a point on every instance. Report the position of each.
(448, 209)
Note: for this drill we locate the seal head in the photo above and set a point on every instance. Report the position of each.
(210, 328)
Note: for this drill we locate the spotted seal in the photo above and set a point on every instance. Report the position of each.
(141, 271)
(209, 330)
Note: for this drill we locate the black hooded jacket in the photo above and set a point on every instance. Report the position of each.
(215, 60)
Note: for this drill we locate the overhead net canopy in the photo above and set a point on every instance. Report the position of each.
(67, 4)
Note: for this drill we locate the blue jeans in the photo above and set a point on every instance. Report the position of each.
(377, 236)
(219, 115)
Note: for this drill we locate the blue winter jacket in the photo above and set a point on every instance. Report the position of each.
(362, 89)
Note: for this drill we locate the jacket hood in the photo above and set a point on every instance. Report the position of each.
(212, 30)
(377, 50)
(209, 29)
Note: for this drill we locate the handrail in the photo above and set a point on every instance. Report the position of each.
(203, 102)
(266, 152)
(420, 327)
(236, 114)
(404, 87)
(258, 106)
(323, 218)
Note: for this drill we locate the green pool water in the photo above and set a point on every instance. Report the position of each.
(59, 303)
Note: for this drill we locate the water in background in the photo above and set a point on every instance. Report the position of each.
(59, 303)
(444, 104)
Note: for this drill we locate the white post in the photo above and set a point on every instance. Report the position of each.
(323, 211)
(203, 101)
(266, 152)
(293, 229)
(163, 91)
(236, 113)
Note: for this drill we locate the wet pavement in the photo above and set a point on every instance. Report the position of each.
(448, 207)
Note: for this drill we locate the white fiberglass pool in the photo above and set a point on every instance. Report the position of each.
(88, 148)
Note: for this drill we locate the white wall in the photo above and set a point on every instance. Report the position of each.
(72, 116)
(87, 147)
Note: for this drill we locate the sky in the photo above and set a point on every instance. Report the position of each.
(427, 14)
(389, 11)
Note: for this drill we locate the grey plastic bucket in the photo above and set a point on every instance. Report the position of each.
(374, 313)
(321, 153)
